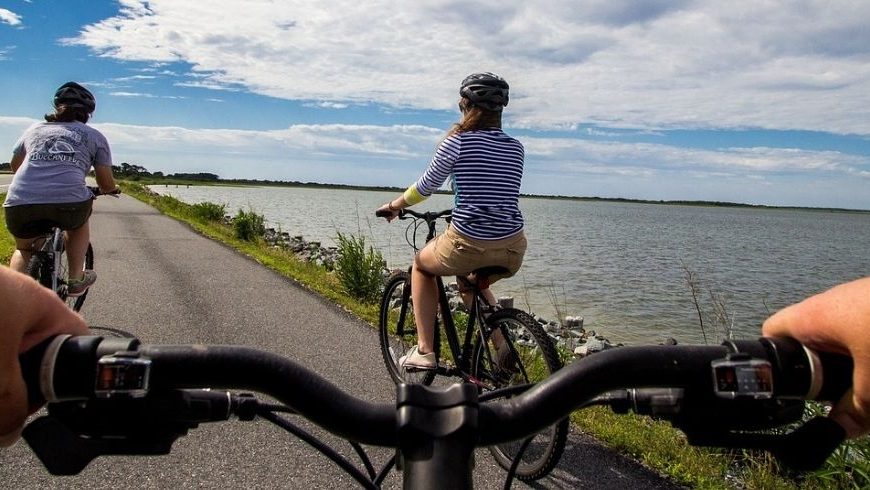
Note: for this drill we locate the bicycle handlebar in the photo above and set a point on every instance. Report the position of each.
(117, 396)
(428, 216)
(95, 190)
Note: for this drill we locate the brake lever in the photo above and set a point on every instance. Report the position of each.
(63, 452)
(809, 446)
(74, 433)
(804, 449)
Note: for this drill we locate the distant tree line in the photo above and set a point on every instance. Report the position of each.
(131, 171)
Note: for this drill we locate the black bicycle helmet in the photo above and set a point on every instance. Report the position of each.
(72, 94)
(485, 90)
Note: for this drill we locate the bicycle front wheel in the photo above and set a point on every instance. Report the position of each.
(398, 330)
(531, 357)
(63, 274)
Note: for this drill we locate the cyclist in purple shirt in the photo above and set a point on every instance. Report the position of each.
(485, 166)
(50, 162)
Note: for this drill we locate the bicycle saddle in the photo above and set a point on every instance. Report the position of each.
(480, 276)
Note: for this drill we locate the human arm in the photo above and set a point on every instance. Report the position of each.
(436, 173)
(31, 313)
(17, 160)
(837, 320)
(105, 178)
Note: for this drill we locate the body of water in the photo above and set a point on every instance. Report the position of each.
(621, 266)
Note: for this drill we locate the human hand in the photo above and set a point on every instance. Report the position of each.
(387, 212)
(31, 313)
(837, 320)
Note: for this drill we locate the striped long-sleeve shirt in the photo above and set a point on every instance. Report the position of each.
(487, 169)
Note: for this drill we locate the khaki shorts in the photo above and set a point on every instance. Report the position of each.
(460, 254)
(32, 220)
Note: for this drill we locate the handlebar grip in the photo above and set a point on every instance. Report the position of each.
(31, 362)
(95, 190)
(381, 213)
(63, 367)
(837, 376)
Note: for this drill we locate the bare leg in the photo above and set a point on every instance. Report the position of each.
(468, 297)
(76, 247)
(21, 255)
(424, 291)
(488, 296)
(497, 337)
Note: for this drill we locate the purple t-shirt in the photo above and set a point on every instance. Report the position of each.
(58, 157)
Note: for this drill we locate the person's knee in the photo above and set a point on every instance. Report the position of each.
(422, 266)
(421, 270)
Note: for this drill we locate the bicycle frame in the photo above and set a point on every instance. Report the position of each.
(53, 247)
(461, 351)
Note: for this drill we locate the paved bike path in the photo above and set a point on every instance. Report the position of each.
(166, 284)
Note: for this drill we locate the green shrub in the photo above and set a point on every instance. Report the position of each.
(249, 226)
(210, 211)
(359, 270)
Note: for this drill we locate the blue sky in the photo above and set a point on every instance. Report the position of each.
(743, 101)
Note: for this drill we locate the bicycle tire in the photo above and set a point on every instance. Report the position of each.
(536, 358)
(398, 331)
(74, 302)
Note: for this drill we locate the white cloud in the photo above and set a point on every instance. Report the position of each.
(415, 144)
(144, 95)
(661, 64)
(9, 17)
(329, 105)
(396, 155)
(571, 156)
(4, 51)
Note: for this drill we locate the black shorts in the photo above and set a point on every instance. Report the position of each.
(32, 220)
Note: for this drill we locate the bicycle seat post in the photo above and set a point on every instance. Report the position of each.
(437, 433)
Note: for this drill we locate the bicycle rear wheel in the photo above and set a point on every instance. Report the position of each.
(534, 357)
(398, 331)
(63, 274)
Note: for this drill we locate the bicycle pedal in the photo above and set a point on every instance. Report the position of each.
(417, 369)
(490, 309)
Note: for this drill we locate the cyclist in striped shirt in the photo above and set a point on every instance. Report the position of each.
(485, 166)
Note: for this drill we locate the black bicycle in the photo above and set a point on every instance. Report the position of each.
(528, 353)
(115, 396)
(48, 262)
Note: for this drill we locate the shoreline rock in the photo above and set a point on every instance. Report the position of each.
(569, 334)
(308, 251)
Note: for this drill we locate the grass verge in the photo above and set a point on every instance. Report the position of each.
(7, 243)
